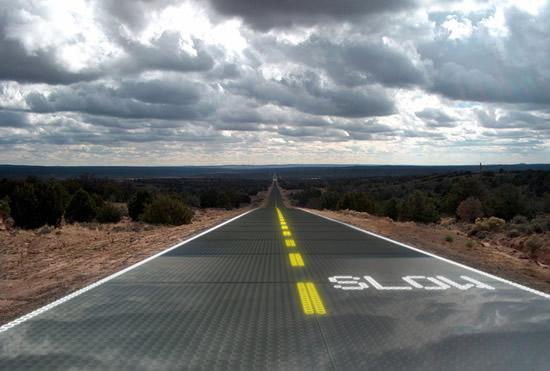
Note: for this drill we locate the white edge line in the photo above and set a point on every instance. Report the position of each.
(108, 278)
(533, 291)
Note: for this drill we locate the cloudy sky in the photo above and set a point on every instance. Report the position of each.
(165, 82)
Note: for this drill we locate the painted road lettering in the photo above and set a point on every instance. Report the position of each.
(436, 283)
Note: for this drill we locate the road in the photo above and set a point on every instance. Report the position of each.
(279, 288)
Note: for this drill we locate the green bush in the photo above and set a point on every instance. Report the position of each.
(461, 190)
(358, 201)
(136, 205)
(209, 198)
(81, 208)
(508, 202)
(418, 207)
(5, 207)
(108, 214)
(329, 200)
(449, 238)
(391, 209)
(470, 244)
(493, 224)
(36, 203)
(533, 244)
(167, 210)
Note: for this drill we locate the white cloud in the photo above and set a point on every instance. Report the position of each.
(193, 82)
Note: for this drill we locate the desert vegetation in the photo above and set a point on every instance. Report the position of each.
(426, 199)
(509, 209)
(33, 202)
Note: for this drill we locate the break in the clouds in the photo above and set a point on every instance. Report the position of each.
(152, 82)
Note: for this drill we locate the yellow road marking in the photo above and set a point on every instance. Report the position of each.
(290, 243)
(299, 260)
(296, 260)
(292, 260)
(284, 227)
(286, 233)
(317, 303)
(304, 297)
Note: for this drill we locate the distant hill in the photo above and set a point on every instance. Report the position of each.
(251, 171)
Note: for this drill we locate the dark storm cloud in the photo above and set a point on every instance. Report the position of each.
(354, 64)
(13, 119)
(132, 100)
(436, 118)
(161, 91)
(42, 66)
(370, 127)
(306, 93)
(314, 133)
(512, 120)
(265, 15)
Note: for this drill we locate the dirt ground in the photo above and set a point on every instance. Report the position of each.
(501, 256)
(42, 265)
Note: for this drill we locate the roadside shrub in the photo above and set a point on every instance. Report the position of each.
(329, 200)
(533, 244)
(209, 198)
(108, 214)
(5, 207)
(81, 208)
(224, 201)
(391, 209)
(540, 224)
(418, 207)
(449, 238)
(167, 210)
(98, 201)
(512, 233)
(469, 210)
(358, 201)
(193, 200)
(35, 204)
(492, 224)
(462, 190)
(519, 219)
(508, 202)
(470, 243)
(245, 199)
(136, 205)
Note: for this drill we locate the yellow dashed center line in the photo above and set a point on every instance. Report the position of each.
(296, 260)
(292, 260)
(299, 260)
(311, 301)
(317, 303)
(304, 297)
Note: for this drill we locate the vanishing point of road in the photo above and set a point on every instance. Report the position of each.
(279, 288)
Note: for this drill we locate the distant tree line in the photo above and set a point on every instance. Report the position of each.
(35, 202)
(426, 199)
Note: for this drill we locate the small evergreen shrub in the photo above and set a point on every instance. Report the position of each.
(108, 214)
(533, 244)
(136, 205)
(81, 208)
(167, 210)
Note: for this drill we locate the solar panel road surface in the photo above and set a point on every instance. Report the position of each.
(279, 288)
